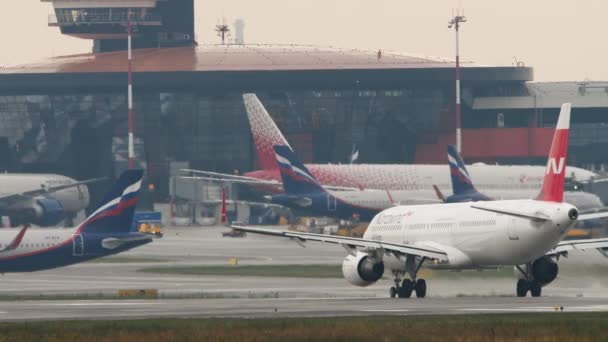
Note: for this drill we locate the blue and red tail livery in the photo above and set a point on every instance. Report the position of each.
(461, 180)
(555, 174)
(115, 212)
(296, 177)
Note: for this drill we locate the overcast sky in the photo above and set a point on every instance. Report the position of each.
(563, 40)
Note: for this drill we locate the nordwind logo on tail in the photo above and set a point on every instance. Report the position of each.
(554, 167)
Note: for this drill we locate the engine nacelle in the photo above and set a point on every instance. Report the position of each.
(544, 270)
(361, 269)
(46, 212)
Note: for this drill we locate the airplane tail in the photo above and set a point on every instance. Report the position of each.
(296, 177)
(555, 174)
(116, 210)
(265, 132)
(461, 181)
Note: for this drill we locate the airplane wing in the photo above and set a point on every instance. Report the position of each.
(12, 198)
(16, 241)
(565, 246)
(351, 242)
(255, 181)
(234, 180)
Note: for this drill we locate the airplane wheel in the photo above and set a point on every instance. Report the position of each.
(405, 291)
(393, 292)
(522, 288)
(535, 289)
(420, 288)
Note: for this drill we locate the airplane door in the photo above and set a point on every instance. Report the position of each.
(331, 203)
(78, 245)
(512, 229)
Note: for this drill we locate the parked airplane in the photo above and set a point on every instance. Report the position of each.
(304, 193)
(526, 234)
(105, 232)
(42, 199)
(463, 189)
(491, 179)
(494, 180)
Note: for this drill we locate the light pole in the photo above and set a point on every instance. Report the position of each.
(130, 92)
(455, 23)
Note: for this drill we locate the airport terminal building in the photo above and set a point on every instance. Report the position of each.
(69, 114)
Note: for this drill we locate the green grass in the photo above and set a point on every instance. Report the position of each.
(297, 271)
(515, 327)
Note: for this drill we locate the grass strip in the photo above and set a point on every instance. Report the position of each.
(498, 327)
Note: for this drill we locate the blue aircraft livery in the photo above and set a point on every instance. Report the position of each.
(304, 193)
(462, 186)
(103, 233)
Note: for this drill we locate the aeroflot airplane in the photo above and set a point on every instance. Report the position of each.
(303, 193)
(42, 199)
(463, 189)
(105, 232)
(493, 180)
(526, 234)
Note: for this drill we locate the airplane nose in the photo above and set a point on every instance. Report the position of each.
(573, 214)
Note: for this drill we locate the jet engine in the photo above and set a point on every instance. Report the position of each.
(361, 269)
(544, 270)
(45, 212)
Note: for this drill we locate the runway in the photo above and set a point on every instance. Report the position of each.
(233, 296)
(268, 308)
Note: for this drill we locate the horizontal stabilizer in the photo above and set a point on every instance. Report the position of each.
(113, 243)
(511, 212)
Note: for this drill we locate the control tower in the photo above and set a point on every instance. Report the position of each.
(157, 23)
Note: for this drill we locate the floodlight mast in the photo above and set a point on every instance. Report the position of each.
(130, 92)
(455, 23)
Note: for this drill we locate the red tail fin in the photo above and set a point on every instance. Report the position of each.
(265, 132)
(555, 174)
(224, 220)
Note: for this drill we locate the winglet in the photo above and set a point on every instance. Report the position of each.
(555, 173)
(439, 193)
(390, 197)
(17, 240)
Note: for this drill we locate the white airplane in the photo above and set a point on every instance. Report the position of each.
(526, 234)
(404, 181)
(105, 232)
(42, 199)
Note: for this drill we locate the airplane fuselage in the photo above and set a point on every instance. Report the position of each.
(73, 199)
(49, 248)
(365, 204)
(474, 238)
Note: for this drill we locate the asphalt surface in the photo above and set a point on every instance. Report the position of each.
(232, 296)
(309, 307)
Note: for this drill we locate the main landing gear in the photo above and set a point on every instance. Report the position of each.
(528, 283)
(404, 288)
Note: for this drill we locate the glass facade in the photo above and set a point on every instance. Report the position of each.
(57, 132)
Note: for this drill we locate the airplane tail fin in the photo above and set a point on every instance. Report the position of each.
(555, 174)
(461, 181)
(265, 132)
(115, 212)
(296, 177)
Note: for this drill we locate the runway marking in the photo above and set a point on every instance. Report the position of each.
(385, 310)
(100, 304)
